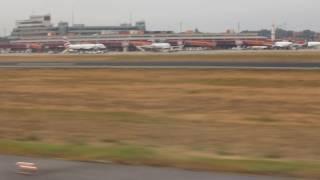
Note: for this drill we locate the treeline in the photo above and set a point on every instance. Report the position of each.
(307, 35)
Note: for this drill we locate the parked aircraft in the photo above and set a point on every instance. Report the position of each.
(258, 47)
(313, 44)
(84, 47)
(160, 47)
(283, 45)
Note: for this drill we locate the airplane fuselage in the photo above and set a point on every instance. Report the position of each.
(86, 46)
(313, 44)
(160, 46)
(283, 44)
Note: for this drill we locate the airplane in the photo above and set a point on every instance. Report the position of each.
(160, 47)
(84, 47)
(289, 45)
(313, 44)
(283, 45)
(258, 47)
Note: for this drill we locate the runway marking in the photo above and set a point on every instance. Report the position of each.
(26, 168)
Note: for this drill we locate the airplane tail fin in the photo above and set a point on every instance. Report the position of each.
(66, 42)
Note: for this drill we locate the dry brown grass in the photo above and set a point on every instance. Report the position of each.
(218, 113)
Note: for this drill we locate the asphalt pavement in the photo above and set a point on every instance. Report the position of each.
(69, 170)
(196, 64)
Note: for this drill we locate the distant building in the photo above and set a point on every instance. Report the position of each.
(82, 30)
(34, 26)
(41, 26)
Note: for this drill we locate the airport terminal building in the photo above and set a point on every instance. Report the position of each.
(41, 26)
(39, 32)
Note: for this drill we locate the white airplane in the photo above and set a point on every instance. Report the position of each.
(160, 47)
(258, 47)
(84, 47)
(313, 44)
(283, 45)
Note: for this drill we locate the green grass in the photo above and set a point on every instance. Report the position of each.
(286, 168)
(134, 154)
(76, 151)
(263, 119)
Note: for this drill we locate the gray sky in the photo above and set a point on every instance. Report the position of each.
(207, 15)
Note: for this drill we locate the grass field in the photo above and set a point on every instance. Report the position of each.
(228, 120)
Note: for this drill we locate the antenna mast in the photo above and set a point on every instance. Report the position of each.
(273, 32)
(130, 18)
(72, 20)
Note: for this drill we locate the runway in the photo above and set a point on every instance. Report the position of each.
(67, 170)
(161, 65)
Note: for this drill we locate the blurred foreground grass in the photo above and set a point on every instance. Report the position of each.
(227, 120)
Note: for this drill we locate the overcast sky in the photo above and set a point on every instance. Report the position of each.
(207, 15)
